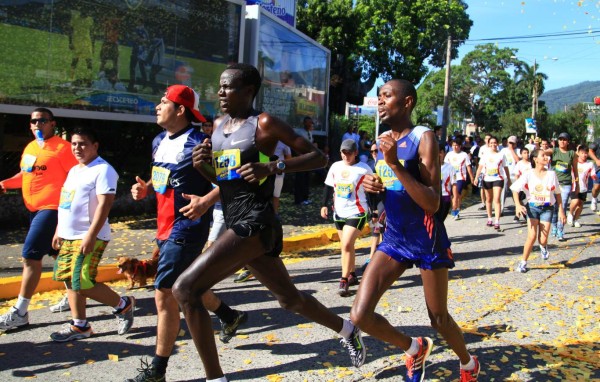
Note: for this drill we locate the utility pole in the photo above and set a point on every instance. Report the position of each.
(446, 116)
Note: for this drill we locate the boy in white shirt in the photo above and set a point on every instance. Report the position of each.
(82, 235)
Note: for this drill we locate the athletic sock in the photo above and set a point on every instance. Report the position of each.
(347, 329)
(225, 313)
(470, 365)
(160, 364)
(414, 348)
(122, 303)
(80, 323)
(22, 305)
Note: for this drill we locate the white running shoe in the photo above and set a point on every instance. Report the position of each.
(544, 252)
(594, 205)
(62, 306)
(576, 224)
(522, 267)
(12, 320)
(570, 219)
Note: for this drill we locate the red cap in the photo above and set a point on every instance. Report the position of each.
(187, 97)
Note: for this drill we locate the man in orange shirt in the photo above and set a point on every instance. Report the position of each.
(45, 164)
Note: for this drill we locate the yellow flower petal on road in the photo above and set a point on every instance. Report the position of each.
(113, 357)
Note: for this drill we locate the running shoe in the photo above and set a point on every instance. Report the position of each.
(516, 219)
(343, 288)
(522, 267)
(553, 230)
(544, 252)
(70, 332)
(576, 224)
(481, 208)
(560, 235)
(147, 373)
(570, 219)
(11, 320)
(228, 330)
(489, 223)
(497, 226)
(356, 347)
(594, 205)
(415, 365)
(457, 217)
(470, 375)
(125, 316)
(244, 276)
(353, 280)
(62, 306)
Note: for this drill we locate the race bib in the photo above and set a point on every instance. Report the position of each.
(160, 179)
(27, 162)
(344, 191)
(66, 198)
(226, 162)
(539, 197)
(492, 171)
(389, 179)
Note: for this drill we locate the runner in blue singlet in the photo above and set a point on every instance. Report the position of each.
(408, 174)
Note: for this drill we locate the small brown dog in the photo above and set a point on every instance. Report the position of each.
(138, 271)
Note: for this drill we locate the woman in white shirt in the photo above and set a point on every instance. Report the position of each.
(495, 173)
(542, 192)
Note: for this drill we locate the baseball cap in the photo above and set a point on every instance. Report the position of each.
(512, 139)
(565, 136)
(349, 145)
(186, 96)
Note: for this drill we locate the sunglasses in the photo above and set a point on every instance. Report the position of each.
(374, 151)
(34, 121)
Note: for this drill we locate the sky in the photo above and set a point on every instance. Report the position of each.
(567, 60)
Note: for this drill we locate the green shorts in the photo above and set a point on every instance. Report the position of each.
(81, 270)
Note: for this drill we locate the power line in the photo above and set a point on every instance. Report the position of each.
(588, 32)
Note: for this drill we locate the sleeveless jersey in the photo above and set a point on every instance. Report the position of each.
(411, 231)
(172, 175)
(242, 202)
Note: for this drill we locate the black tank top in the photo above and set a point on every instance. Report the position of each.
(242, 201)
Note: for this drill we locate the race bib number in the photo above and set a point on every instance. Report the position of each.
(492, 172)
(27, 162)
(160, 179)
(539, 197)
(561, 167)
(66, 198)
(226, 163)
(344, 191)
(389, 179)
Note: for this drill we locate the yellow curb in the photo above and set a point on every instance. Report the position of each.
(10, 286)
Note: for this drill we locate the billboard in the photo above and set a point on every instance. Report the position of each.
(294, 68)
(114, 56)
(283, 9)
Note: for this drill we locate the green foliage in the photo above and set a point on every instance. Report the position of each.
(367, 123)
(573, 121)
(372, 39)
(513, 123)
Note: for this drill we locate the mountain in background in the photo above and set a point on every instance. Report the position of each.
(570, 95)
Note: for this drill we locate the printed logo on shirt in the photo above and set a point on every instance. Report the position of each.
(179, 157)
(27, 163)
(561, 166)
(66, 198)
(226, 162)
(160, 178)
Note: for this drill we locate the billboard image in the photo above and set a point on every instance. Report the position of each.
(114, 56)
(295, 75)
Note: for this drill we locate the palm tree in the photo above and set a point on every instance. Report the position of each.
(528, 77)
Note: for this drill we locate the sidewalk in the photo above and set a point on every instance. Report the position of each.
(542, 325)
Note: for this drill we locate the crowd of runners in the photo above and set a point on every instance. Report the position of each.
(234, 167)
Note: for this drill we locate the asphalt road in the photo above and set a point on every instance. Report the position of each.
(538, 326)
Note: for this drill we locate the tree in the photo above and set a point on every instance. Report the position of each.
(372, 39)
(574, 121)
